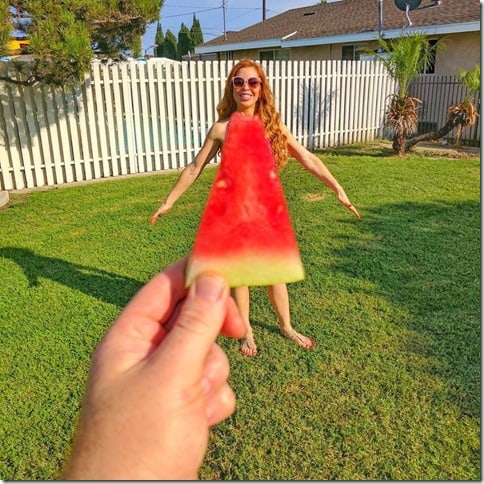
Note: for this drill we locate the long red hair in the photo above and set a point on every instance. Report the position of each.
(265, 110)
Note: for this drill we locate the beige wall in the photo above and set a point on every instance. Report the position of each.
(461, 52)
(318, 52)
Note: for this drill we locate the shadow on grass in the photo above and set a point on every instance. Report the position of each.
(267, 327)
(425, 259)
(105, 286)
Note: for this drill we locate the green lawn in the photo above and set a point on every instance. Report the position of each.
(392, 390)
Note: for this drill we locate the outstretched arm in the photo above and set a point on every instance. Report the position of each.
(318, 169)
(210, 147)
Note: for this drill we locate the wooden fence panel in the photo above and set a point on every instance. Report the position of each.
(92, 167)
(10, 160)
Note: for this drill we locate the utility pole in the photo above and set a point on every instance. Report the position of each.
(263, 10)
(225, 30)
(380, 18)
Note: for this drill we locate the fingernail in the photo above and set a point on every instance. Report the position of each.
(209, 287)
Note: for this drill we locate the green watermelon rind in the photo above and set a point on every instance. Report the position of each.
(249, 270)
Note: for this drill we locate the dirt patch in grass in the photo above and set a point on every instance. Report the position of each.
(438, 149)
(313, 197)
(383, 148)
(15, 199)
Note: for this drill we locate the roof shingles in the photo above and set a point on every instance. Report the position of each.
(350, 17)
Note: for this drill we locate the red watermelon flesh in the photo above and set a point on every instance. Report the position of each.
(246, 232)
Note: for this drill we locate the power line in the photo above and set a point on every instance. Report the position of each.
(188, 13)
(225, 10)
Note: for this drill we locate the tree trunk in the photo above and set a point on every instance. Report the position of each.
(431, 135)
(399, 145)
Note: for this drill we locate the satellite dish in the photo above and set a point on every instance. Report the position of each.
(407, 4)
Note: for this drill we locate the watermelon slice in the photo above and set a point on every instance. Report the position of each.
(245, 232)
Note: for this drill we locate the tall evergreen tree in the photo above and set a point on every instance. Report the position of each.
(170, 46)
(196, 32)
(159, 40)
(185, 44)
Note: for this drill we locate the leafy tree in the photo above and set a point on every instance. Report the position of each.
(64, 34)
(5, 27)
(170, 46)
(185, 43)
(159, 40)
(196, 32)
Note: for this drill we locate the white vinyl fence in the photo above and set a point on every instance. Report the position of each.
(138, 117)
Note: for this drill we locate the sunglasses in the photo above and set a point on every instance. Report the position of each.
(239, 82)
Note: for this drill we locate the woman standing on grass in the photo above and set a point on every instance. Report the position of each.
(247, 92)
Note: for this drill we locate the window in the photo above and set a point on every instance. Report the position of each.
(350, 52)
(277, 54)
(431, 67)
(227, 55)
(347, 52)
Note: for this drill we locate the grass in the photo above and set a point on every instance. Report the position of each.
(391, 392)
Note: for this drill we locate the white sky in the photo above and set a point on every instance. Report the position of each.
(238, 15)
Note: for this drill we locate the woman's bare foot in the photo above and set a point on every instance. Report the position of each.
(298, 338)
(248, 346)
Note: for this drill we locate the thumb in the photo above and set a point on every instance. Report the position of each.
(197, 325)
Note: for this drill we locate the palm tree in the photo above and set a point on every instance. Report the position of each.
(404, 58)
(459, 115)
(465, 113)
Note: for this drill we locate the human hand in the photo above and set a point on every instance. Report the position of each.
(163, 210)
(158, 381)
(343, 198)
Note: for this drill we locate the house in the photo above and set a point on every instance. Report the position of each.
(348, 29)
(18, 41)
